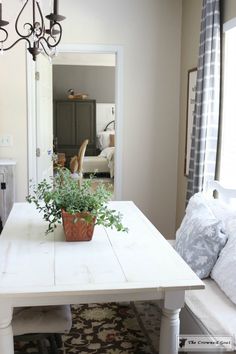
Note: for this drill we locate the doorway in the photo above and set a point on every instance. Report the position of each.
(32, 124)
(84, 109)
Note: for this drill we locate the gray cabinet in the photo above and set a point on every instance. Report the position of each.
(75, 121)
(7, 188)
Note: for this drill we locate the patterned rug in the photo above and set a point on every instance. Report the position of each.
(123, 328)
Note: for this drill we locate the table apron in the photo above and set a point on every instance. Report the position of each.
(44, 299)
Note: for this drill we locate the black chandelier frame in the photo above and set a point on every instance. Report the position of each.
(39, 38)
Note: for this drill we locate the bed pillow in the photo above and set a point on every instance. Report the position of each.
(200, 239)
(224, 271)
(103, 139)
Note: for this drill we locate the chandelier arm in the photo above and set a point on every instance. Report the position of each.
(42, 29)
(6, 35)
(47, 40)
(59, 38)
(18, 40)
(31, 29)
(16, 23)
(40, 40)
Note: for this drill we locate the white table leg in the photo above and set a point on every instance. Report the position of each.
(6, 334)
(169, 331)
(173, 301)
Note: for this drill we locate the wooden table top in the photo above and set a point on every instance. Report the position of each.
(141, 259)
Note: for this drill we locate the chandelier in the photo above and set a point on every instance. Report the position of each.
(39, 38)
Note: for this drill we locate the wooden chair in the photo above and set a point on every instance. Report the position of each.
(81, 154)
(76, 163)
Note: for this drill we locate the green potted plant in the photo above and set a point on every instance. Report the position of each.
(80, 208)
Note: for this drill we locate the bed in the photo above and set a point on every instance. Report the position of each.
(104, 162)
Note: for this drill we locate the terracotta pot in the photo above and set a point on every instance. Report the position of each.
(76, 228)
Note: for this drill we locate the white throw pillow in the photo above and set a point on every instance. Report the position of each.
(199, 239)
(224, 271)
(221, 211)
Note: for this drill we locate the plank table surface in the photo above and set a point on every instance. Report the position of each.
(45, 270)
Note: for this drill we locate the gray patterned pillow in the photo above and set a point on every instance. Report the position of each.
(199, 240)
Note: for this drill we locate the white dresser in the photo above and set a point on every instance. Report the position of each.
(7, 188)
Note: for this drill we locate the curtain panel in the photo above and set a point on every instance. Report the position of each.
(207, 101)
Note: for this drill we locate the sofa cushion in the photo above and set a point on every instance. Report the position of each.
(213, 309)
(200, 239)
(224, 271)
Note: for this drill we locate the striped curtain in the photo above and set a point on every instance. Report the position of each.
(207, 101)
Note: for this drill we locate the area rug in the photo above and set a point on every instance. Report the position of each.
(123, 328)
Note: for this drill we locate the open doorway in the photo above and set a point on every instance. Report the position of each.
(84, 110)
(116, 111)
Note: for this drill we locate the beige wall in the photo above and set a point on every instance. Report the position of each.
(191, 20)
(229, 10)
(13, 104)
(150, 33)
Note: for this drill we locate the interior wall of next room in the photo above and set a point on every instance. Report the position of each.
(96, 81)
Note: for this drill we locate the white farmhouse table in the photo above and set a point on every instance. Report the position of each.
(45, 270)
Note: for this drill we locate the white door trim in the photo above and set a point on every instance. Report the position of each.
(119, 93)
(31, 122)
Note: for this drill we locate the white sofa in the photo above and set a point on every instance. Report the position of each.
(210, 311)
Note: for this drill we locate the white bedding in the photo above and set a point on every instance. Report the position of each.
(97, 164)
(103, 163)
(109, 154)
